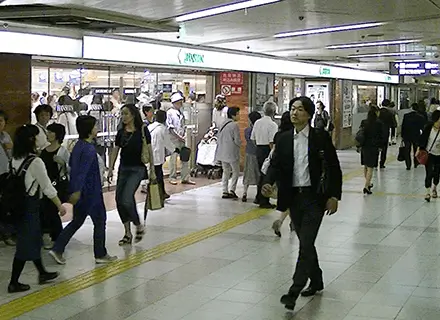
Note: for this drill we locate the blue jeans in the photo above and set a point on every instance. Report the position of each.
(129, 180)
(80, 212)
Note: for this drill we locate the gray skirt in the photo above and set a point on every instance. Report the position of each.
(251, 175)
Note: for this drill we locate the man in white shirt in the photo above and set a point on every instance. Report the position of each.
(160, 140)
(263, 133)
(306, 168)
(176, 126)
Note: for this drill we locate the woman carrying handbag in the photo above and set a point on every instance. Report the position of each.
(428, 153)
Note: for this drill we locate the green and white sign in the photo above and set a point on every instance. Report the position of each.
(323, 71)
(191, 57)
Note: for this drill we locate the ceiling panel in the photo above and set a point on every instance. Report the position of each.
(253, 30)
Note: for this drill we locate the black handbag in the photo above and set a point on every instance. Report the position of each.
(61, 184)
(401, 154)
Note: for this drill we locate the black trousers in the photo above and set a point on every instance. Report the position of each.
(306, 212)
(50, 219)
(408, 146)
(432, 168)
(262, 154)
(383, 153)
(160, 179)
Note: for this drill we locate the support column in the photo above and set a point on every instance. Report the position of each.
(238, 99)
(15, 89)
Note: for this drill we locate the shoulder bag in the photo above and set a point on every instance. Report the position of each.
(423, 155)
(145, 155)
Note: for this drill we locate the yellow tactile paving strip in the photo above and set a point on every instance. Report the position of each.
(50, 294)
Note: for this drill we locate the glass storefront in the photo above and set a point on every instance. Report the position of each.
(83, 88)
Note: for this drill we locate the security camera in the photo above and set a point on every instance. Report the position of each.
(436, 55)
(248, 47)
(5, 25)
(178, 36)
(301, 18)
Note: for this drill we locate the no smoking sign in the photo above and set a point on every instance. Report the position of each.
(226, 90)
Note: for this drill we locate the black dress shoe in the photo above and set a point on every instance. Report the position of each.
(289, 301)
(311, 291)
(48, 276)
(18, 287)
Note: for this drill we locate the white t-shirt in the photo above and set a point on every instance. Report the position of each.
(219, 116)
(264, 131)
(35, 176)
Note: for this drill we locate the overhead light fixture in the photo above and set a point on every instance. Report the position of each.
(371, 44)
(224, 9)
(387, 54)
(329, 29)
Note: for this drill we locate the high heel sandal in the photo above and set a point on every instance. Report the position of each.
(139, 235)
(428, 198)
(126, 240)
(367, 191)
(434, 194)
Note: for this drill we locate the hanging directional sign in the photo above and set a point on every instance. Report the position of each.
(414, 68)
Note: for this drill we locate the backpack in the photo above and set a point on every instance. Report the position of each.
(13, 193)
(360, 137)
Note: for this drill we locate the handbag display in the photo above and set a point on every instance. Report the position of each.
(145, 155)
(423, 155)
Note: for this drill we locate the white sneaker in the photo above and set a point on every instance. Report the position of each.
(106, 259)
(57, 257)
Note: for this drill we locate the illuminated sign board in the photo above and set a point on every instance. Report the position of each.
(414, 68)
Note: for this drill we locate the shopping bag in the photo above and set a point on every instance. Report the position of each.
(154, 197)
(401, 154)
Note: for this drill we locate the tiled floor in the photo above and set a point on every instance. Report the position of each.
(380, 256)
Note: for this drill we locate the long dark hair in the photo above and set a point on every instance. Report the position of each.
(138, 123)
(372, 115)
(285, 123)
(24, 141)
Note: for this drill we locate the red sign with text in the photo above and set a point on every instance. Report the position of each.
(231, 78)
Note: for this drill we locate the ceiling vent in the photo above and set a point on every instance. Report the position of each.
(82, 18)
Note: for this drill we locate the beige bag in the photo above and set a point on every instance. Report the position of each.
(145, 156)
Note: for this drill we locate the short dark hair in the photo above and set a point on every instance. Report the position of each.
(59, 130)
(254, 116)
(138, 123)
(84, 126)
(147, 108)
(307, 103)
(4, 115)
(285, 123)
(43, 108)
(386, 103)
(24, 141)
(161, 116)
(434, 101)
(415, 106)
(435, 116)
(233, 111)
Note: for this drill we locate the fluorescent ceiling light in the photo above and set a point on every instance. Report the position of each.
(387, 54)
(371, 44)
(224, 9)
(329, 29)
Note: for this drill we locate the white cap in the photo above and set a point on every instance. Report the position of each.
(176, 98)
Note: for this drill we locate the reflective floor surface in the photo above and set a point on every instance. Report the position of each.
(208, 258)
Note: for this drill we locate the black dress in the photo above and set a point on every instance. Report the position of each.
(50, 219)
(374, 139)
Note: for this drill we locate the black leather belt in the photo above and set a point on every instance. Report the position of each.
(302, 189)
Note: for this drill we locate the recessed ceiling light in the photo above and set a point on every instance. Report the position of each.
(371, 44)
(329, 29)
(224, 9)
(387, 54)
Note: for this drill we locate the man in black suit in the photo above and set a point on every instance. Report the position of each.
(388, 121)
(412, 126)
(306, 168)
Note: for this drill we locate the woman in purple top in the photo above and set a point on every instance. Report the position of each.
(86, 193)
